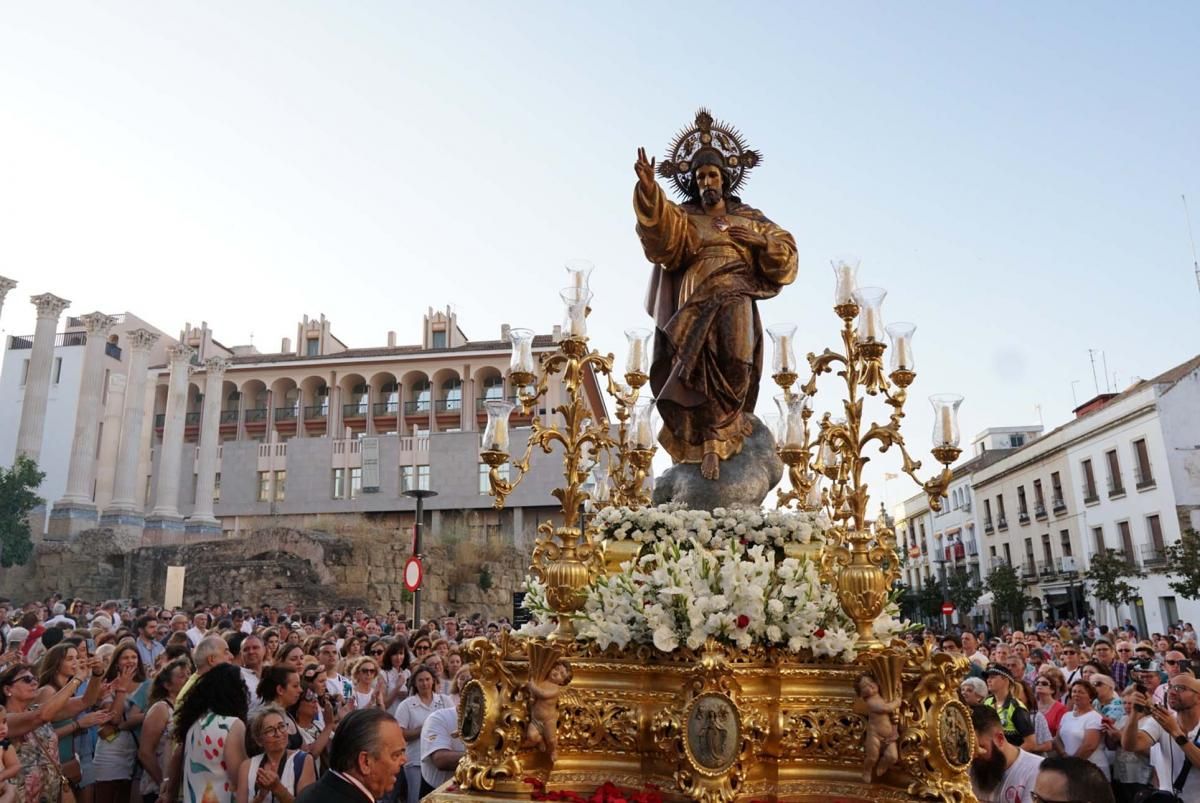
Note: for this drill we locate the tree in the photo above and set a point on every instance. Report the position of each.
(1106, 577)
(929, 600)
(1184, 562)
(17, 498)
(963, 591)
(1008, 594)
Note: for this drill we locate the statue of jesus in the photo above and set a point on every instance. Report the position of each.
(714, 257)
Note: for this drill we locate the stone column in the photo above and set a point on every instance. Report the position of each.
(164, 523)
(202, 520)
(6, 284)
(124, 510)
(76, 511)
(37, 382)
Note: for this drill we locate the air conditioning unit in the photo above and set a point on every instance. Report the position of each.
(1066, 563)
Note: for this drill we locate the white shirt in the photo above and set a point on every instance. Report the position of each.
(251, 681)
(194, 635)
(438, 733)
(1174, 758)
(1073, 729)
(61, 618)
(1017, 784)
(412, 713)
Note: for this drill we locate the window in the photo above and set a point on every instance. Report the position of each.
(104, 388)
(1002, 522)
(1064, 540)
(1039, 499)
(264, 486)
(1089, 483)
(1022, 507)
(1016, 440)
(1098, 537)
(1007, 555)
(217, 487)
(339, 483)
(423, 477)
(355, 482)
(422, 393)
(485, 486)
(280, 485)
(1057, 493)
(987, 514)
(1126, 539)
(1115, 486)
(312, 347)
(1154, 527)
(1144, 477)
(57, 369)
(1047, 552)
(439, 339)
(414, 478)
(452, 393)
(493, 388)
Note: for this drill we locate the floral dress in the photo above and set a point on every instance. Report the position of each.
(40, 780)
(205, 779)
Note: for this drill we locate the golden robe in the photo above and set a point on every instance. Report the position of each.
(708, 338)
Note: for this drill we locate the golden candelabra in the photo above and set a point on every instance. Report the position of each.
(566, 558)
(860, 558)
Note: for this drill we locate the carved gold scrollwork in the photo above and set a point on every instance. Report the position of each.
(823, 731)
(590, 721)
(492, 756)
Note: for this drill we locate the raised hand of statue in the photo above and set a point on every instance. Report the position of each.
(645, 170)
(746, 236)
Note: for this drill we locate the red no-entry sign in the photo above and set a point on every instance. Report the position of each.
(413, 573)
(947, 608)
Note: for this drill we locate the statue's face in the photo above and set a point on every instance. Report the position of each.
(708, 183)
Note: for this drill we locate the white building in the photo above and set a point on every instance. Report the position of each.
(1125, 475)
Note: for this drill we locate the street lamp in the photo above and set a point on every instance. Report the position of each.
(940, 563)
(420, 494)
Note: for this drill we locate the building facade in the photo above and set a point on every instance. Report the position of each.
(169, 439)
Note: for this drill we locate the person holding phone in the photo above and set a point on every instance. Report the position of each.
(1175, 731)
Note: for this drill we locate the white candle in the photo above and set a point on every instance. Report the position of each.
(903, 353)
(525, 357)
(644, 438)
(947, 425)
(845, 281)
(635, 356)
(795, 431)
(785, 361)
(500, 436)
(870, 324)
(578, 324)
(579, 279)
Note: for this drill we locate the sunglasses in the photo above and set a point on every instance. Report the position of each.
(1171, 663)
(1044, 683)
(1124, 649)
(376, 652)
(1070, 652)
(25, 679)
(366, 671)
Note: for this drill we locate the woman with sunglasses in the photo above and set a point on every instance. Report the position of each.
(368, 692)
(30, 731)
(278, 773)
(1048, 690)
(314, 715)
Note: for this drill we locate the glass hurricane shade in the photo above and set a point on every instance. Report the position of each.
(575, 301)
(783, 338)
(642, 424)
(870, 313)
(638, 361)
(495, 435)
(901, 335)
(789, 431)
(579, 272)
(945, 418)
(522, 350)
(845, 274)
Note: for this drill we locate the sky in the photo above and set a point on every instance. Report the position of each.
(1011, 173)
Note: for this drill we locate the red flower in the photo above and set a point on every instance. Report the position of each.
(743, 621)
(819, 632)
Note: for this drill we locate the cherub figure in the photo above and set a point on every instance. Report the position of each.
(882, 733)
(543, 708)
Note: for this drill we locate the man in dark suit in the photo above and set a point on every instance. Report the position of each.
(366, 756)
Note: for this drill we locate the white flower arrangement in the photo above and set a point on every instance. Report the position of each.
(721, 528)
(722, 575)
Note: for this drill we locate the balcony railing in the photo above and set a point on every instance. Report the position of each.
(112, 350)
(1002, 523)
(1090, 494)
(385, 407)
(285, 414)
(987, 526)
(1116, 488)
(20, 342)
(255, 415)
(191, 419)
(160, 420)
(229, 416)
(416, 407)
(1039, 511)
(316, 411)
(354, 410)
(1023, 517)
(1059, 506)
(1143, 478)
(449, 405)
(1029, 568)
(1154, 554)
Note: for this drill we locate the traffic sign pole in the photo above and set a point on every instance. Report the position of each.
(420, 494)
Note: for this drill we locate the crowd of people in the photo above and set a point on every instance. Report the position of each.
(120, 703)
(1109, 715)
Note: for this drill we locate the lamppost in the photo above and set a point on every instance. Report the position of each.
(940, 563)
(420, 494)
